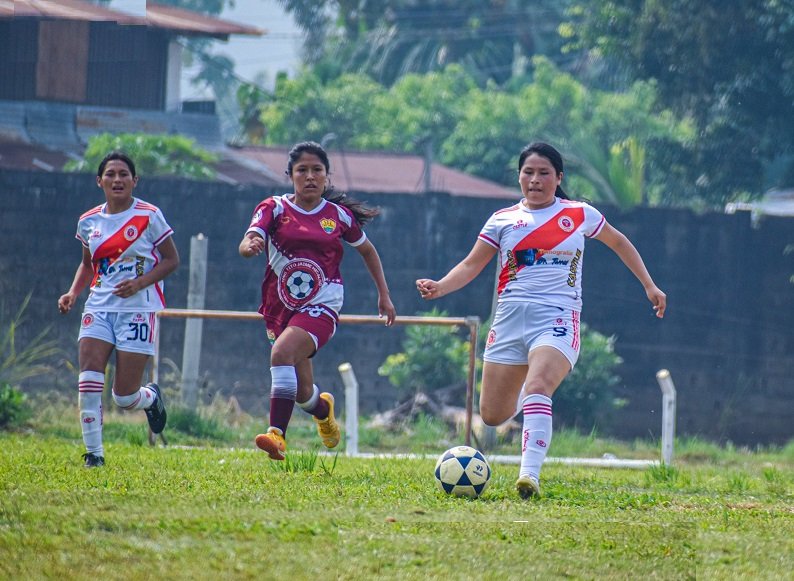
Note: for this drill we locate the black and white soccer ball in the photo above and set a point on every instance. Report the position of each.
(300, 284)
(462, 471)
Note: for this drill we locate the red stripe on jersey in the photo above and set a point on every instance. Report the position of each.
(115, 246)
(91, 212)
(551, 234)
(544, 237)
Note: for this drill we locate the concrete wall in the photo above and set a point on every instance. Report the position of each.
(728, 337)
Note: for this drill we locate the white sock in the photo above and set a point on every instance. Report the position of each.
(90, 385)
(536, 435)
(140, 400)
(312, 401)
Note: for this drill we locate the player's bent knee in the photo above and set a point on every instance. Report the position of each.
(494, 418)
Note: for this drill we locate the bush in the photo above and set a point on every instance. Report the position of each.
(434, 357)
(586, 397)
(14, 408)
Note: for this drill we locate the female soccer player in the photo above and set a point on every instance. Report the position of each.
(127, 252)
(302, 234)
(533, 342)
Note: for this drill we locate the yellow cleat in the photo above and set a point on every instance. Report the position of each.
(273, 443)
(328, 428)
(527, 487)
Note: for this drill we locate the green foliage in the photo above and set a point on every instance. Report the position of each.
(607, 138)
(726, 65)
(20, 363)
(388, 39)
(434, 357)
(14, 408)
(154, 155)
(587, 395)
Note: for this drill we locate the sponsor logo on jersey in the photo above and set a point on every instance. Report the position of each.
(574, 267)
(130, 232)
(88, 320)
(520, 224)
(257, 217)
(95, 234)
(566, 223)
(328, 225)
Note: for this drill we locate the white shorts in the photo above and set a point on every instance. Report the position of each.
(520, 327)
(134, 332)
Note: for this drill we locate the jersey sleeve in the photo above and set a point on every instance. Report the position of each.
(263, 217)
(490, 232)
(593, 221)
(353, 233)
(159, 228)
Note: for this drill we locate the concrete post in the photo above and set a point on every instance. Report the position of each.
(668, 414)
(191, 352)
(351, 408)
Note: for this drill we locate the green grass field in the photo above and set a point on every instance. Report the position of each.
(195, 510)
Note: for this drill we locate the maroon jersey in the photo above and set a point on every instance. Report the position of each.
(304, 253)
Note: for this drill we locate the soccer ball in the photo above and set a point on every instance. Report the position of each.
(462, 471)
(300, 284)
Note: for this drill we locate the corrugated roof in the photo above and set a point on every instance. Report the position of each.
(157, 16)
(378, 172)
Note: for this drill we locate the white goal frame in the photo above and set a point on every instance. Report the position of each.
(473, 324)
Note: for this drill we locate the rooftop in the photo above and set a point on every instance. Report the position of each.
(179, 21)
(377, 172)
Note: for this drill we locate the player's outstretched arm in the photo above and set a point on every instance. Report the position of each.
(252, 244)
(626, 251)
(461, 274)
(82, 277)
(372, 260)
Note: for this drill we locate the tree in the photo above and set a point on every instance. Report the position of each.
(728, 66)
(387, 39)
(154, 155)
(607, 137)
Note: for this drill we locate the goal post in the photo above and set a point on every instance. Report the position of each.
(472, 322)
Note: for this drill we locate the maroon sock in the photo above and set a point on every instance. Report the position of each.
(280, 413)
(321, 409)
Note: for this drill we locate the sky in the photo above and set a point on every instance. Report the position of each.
(257, 59)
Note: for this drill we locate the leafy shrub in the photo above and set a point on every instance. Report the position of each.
(153, 155)
(587, 395)
(433, 357)
(20, 363)
(14, 408)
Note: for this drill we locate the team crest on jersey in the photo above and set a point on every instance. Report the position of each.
(130, 232)
(566, 224)
(257, 217)
(299, 282)
(88, 320)
(328, 225)
(491, 338)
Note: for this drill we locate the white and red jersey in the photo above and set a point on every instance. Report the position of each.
(304, 253)
(541, 251)
(123, 246)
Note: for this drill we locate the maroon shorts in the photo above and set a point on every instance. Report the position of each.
(317, 320)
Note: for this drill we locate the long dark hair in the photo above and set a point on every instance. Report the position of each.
(361, 212)
(113, 155)
(550, 153)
